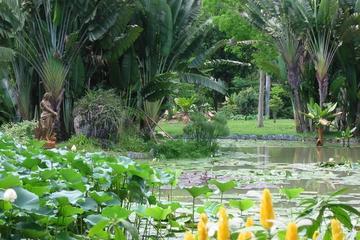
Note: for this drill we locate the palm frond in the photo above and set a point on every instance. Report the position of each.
(6, 54)
(201, 80)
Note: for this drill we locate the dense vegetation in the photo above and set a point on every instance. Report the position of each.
(165, 79)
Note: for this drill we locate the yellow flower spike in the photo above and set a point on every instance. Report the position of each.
(245, 236)
(249, 222)
(316, 235)
(336, 230)
(204, 218)
(202, 228)
(266, 210)
(189, 236)
(292, 232)
(223, 225)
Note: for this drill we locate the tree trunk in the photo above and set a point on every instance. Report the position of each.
(261, 99)
(323, 88)
(294, 81)
(267, 95)
(320, 141)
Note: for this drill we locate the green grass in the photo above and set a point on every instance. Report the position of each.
(282, 126)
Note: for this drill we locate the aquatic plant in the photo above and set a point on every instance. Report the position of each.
(267, 214)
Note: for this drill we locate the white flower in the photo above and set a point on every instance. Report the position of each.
(331, 159)
(73, 148)
(10, 195)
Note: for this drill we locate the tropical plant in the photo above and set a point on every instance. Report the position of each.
(206, 132)
(276, 104)
(168, 42)
(347, 135)
(185, 105)
(320, 19)
(100, 114)
(321, 117)
(274, 19)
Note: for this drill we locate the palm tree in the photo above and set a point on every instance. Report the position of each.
(273, 18)
(170, 38)
(319, 20)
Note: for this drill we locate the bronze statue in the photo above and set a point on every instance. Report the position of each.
(47, 118)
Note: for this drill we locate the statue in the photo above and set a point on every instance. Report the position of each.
(47, 121)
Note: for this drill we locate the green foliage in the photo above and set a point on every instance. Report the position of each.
(84, 143)
(102, 112)
(180, 149)
(65, 189)
(317, 209)
(205, 132)
(22, 131)
(185, 103)
(321, 116)
(243, 103)
(291, 193)
(133, 142)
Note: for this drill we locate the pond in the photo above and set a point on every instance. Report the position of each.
(274, 165)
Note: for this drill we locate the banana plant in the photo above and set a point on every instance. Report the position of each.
(322, 117)
(346, 136)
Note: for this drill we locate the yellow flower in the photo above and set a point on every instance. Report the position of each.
(336, 230)
(249, 222)
(223, 225)
(189, 236)
(204, 218)
(266, 210)
(291, 232)
(316, 235)
(245, 236)
(202, 228)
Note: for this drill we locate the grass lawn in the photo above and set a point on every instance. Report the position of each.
(282, 126)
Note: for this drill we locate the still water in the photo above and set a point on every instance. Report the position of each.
(256, 165)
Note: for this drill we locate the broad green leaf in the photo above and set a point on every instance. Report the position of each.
(223, 186)
(291, 193)
(26, 200)
(9, 181)
(198, 191)
(116, 212)
(242, 205)
(157, 213)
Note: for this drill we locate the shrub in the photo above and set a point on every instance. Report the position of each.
(243, 103)
(21, 131)
(99, 114)
(278, 93)
(204, 131)
(133, 143)
(82, 142)
(177, 149)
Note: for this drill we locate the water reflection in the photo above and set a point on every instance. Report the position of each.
(301, 155)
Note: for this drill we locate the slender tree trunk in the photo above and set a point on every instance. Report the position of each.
(261, 99)
(267, 95)
(294, 81)
(323, 88)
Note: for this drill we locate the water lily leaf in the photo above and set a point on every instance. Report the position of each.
(68, 211)
(116, 212)
(130, 228)
(98, 230)
(157, 213)
(9, 181)
(291, 193)
(94, 219)
(67, 196)
(26, 200)
(101, 197)
(242, 205)
(88, 204)
(198, 191)
(223, 186)
(32, 230)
